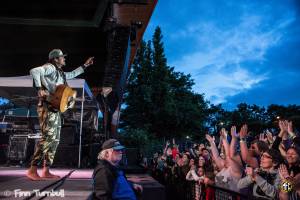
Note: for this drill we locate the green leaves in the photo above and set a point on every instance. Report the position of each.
(160, 100)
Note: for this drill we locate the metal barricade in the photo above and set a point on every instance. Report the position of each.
(203, 192)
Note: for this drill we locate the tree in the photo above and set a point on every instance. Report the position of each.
(160, 100)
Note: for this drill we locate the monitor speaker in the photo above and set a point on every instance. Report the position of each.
(66, 156)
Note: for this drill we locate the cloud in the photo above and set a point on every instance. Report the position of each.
(218, 63)
(218, 86)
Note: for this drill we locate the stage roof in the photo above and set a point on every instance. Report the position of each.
(19, 90)
(30, 29)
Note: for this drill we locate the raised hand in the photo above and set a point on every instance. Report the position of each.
(167, 143)
(233, 132)
(270, 137)
(283, 172)
(290, 127)
(209, 138)
(89, 61)
(251, 172)
(223, 133)
(283, 125)
(244, 131)
(262, 137)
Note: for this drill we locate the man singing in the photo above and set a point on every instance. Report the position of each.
(45, 79)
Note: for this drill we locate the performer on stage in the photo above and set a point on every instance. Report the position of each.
(45, 79)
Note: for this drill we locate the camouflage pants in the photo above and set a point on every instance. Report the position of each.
(50, 123)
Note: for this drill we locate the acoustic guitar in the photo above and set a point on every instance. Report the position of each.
(63, 98)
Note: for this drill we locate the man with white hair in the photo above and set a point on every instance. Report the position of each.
(109, 182)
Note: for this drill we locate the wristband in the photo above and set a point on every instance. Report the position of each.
(242, 140)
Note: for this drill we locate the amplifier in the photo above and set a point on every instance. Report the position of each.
(69, 134)
(20, 148)
(3, 153)
(66, 156)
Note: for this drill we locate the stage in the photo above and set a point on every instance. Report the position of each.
(74, 184)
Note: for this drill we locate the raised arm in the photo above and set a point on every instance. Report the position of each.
(236, 168)
(79, 70)
(233, 141)
(166, 147)
(215, 153)
(250, 160)
(290, 130)
(283, 131)
(225, 142)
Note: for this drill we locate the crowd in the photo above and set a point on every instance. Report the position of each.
(268, 167)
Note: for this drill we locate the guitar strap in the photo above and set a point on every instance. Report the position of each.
(63, 75)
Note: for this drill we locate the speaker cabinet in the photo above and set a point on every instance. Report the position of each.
(69, 135)
(20, 148)
(66, 156)
(3, 153)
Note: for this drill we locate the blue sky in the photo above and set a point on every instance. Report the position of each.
(236, 51)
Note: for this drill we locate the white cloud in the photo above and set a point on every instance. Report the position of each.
(217, 86)
(218, 63)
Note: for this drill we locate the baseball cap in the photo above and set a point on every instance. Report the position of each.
(55, 53)
(112, 143)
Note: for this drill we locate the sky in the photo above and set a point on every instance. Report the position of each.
(235, 50)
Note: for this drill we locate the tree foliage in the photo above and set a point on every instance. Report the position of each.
(159, 99)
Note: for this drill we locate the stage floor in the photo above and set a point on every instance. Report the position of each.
(75, 184)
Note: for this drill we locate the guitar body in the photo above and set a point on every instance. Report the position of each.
(63, 98)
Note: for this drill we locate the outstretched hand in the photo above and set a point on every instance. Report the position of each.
(250, 171)
(209, 138)
(233, 132)
(290, 127)
(262, 137)
(270, 136)
(283, 125)
(283, 172)
(167, 143)
(89, 61)
(244, 131)
(223, 133)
